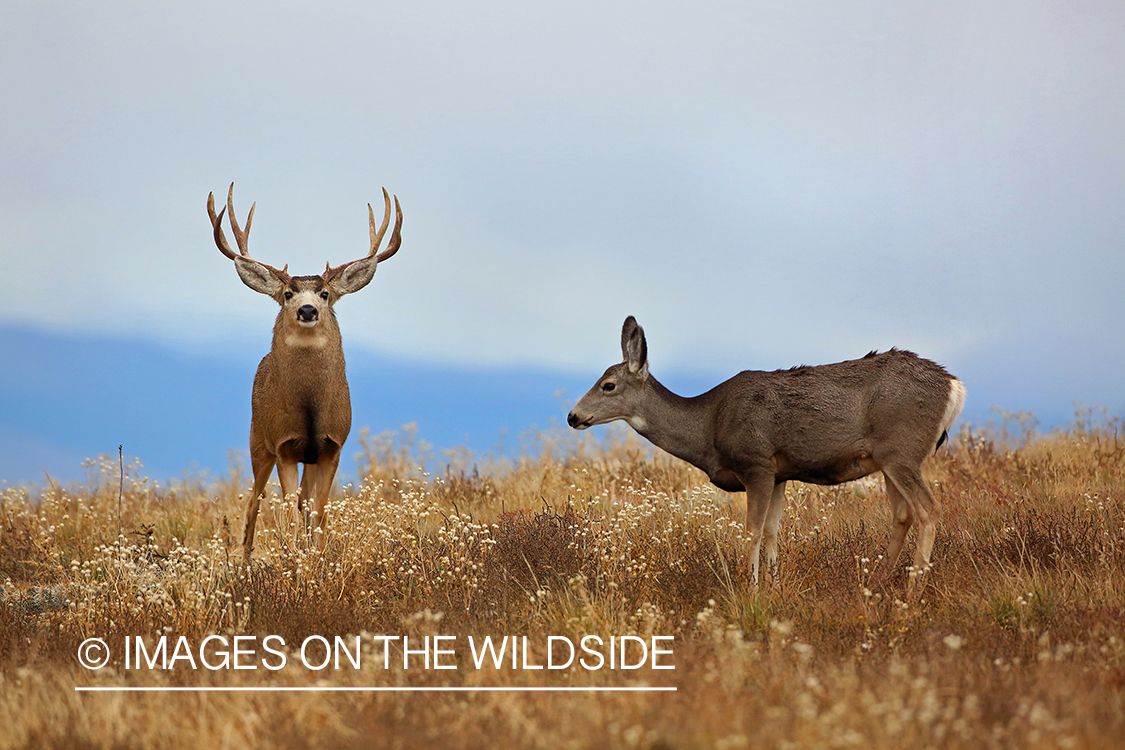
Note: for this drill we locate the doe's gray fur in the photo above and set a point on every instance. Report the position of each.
(825, 425)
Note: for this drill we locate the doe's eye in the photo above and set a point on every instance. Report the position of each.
(324, 295)
(289, 295)
(607, 387)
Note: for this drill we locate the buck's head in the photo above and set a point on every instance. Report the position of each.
(306, 301)
(618, 392)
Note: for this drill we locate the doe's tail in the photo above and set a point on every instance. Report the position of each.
(953, 407)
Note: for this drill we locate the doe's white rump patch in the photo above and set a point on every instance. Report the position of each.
(953, 406)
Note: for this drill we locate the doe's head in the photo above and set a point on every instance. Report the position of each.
(618, 392)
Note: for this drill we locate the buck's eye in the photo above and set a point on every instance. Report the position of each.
(607, 387)
(324, 295)
(289, 295)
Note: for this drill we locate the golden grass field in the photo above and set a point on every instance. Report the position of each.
(1015, 639)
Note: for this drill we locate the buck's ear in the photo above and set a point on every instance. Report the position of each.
(258, 277)
(354, 276)
(634, 348)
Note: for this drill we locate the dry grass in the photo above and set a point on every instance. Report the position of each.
(1015, 640)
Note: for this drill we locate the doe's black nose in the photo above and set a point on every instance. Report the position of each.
(306, 312)
(572, 420)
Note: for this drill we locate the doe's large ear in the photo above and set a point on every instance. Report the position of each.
(258, 277)
(634, 348)
(353, 276)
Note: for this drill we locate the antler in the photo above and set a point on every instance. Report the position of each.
(376, 236)
(242, 236)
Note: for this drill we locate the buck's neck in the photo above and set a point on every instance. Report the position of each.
(682, 426)
(322, 339)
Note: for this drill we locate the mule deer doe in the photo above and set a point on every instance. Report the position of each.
(301, 407)
(826, 425)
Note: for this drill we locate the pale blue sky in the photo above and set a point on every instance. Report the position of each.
(761, 184)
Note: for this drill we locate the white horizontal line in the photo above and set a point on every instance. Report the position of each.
(314, 689)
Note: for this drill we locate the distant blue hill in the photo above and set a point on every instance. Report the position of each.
(71, 397)
(67, 397)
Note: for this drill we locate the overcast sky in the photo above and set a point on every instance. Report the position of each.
(761, 184)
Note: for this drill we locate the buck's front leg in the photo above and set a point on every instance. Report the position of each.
(288, 475)
(759, 491)
(263, 463)
(326, 472)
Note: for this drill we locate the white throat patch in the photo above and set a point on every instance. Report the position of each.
(637, 423)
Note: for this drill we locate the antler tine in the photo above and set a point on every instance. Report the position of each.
(377, 237)
(243, 237)
(396, 236)
(217, 223)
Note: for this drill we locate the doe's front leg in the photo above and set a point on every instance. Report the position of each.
(759, 491)
(773, 524)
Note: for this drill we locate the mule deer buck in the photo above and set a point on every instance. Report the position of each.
(301, 407)
(825, 425)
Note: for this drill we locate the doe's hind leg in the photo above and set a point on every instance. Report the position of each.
(901, 520)
(920, 504)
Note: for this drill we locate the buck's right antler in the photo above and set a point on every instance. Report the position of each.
(242, 236)
(377, 237)
(371, 260)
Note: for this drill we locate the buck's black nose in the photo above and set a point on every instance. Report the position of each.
(306, 313)
(572, 420)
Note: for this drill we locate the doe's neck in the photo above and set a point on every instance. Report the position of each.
(679, 425)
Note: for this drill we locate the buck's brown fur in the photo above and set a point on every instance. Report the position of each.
(301, 406)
